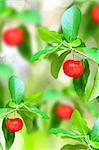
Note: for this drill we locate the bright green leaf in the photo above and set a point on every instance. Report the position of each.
(74, 147)
(76, 43)
(39, 112)
(46, 51)
(25, 49)
(65, 132)
(71, 20)
(95, 132)
(79, 123)
(9, 136)
(6, 70)
(49, 36)
(57, 63)
(16, 87)
(81, 82)
(12, 104)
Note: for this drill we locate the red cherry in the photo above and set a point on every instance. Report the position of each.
(14, 125)
(73, 68)
(13, 37)
(64, 112)
(95, 14)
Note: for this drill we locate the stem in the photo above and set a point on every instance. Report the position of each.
(74, 50)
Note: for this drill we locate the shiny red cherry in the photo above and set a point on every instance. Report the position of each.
(73, 68)
(95, 14)
(64, 112)
(14, 125)
(13, 37)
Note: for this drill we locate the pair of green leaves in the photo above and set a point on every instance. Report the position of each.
(71, 20)
(70, 25)
(80, 125)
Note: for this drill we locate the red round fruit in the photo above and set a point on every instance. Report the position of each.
(13, 37)
(73, 68)
(95, 14)
(14, 125)
(64, 112)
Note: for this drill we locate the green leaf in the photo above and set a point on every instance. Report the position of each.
(28, 119)
(74, 147)
(6, 70)
(76, 43)
(9, 136)
(61, 131)
(28, 16)
(95, 89)
(12, 104)
(71, 20)
(81, 82)
(39, 112)
(35, 98)
(54, 122)
(46, 51)
(25, 49)
(16, 87)
(95, 131)
(94, 145)
(79, 123)
(92, 53)
(57, 63)
(2, 112)
(49, 36)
